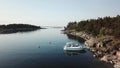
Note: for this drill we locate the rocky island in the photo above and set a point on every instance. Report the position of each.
(14, 28)
(102, 37)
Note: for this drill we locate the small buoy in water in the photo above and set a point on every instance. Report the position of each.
(50, 43)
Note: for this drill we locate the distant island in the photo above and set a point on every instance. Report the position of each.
(102, 37)
(57, 27)
(14, 28)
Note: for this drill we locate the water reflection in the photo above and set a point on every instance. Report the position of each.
(73, 53)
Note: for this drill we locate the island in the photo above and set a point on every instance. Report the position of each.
(14, 28)
(101, 36)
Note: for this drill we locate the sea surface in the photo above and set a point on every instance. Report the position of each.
(43, 49)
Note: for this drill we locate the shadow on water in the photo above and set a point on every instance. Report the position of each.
(73, 53)
(81, 40)
(21, 32)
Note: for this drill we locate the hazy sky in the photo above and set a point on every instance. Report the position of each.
(55, 12)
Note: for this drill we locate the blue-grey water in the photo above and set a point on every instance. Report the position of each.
(43, 49)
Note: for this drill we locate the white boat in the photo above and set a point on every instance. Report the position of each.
(73, 47)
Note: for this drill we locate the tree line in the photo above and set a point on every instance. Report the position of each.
(98, 27)
(17, 26)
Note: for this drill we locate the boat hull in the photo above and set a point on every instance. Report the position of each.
(73, 48)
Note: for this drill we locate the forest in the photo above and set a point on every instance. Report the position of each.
(97, 27)
(13, 28)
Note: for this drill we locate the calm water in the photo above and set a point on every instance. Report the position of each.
(34, 50)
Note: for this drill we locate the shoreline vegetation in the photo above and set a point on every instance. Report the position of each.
(102, 37)
(14, 28)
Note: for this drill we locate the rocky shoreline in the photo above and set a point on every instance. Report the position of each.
(105, 48)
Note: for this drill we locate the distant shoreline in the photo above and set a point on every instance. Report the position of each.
(14, 28)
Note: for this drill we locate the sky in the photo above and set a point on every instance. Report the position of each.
(55, 12)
